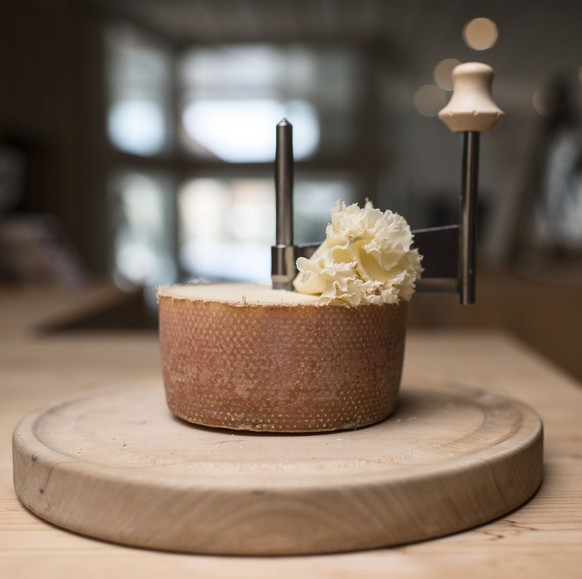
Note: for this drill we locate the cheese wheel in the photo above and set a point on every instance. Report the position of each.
(248, 357)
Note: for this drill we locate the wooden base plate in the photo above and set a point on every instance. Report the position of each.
(116, 465)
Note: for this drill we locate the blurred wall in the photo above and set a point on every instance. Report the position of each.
(51, 106)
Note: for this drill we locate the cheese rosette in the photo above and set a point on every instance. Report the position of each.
(366, 258)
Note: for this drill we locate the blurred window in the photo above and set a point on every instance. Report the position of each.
(213, 111)
(142, 238)
(233, 96)
(242, 131)
(139, 83)
(226, 226)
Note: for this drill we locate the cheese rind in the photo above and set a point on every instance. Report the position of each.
(275, 362)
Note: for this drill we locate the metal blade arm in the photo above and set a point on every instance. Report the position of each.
(439, 247)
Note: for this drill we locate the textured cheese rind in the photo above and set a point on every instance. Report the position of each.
(270, 367)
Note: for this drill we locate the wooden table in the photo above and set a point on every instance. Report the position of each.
(541, 539)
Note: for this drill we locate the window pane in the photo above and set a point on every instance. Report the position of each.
(243, 131)
(142, 229)
(227, 226)
(138, 77)
(233, 96)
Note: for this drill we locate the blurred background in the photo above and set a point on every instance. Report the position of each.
(137, 139)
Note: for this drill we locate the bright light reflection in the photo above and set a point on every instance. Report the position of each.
(443, 73)
(243, 131)
(141, 252)
(137, 126)
(228, 226)
(480, 33)
(539, 102)
(429, 100)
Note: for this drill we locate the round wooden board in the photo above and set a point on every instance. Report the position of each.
(116, 465)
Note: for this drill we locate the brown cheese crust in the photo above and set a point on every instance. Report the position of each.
(280, 367)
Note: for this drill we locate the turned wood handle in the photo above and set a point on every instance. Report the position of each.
(471, 107)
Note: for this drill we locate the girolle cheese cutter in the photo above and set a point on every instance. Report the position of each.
(449, 251)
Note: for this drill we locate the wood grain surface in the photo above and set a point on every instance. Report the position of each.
(116, 465)
(540, 539)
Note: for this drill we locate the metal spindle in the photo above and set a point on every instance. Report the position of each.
(468, 218)
(283, 252)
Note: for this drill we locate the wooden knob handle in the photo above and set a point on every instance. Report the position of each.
(471, 107)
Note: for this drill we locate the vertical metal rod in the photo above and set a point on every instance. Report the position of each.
(283, 252)
(468, 233)
(284, 183)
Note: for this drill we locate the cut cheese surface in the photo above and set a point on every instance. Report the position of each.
(237, 294)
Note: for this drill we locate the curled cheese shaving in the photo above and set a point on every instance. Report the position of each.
(365, 258)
